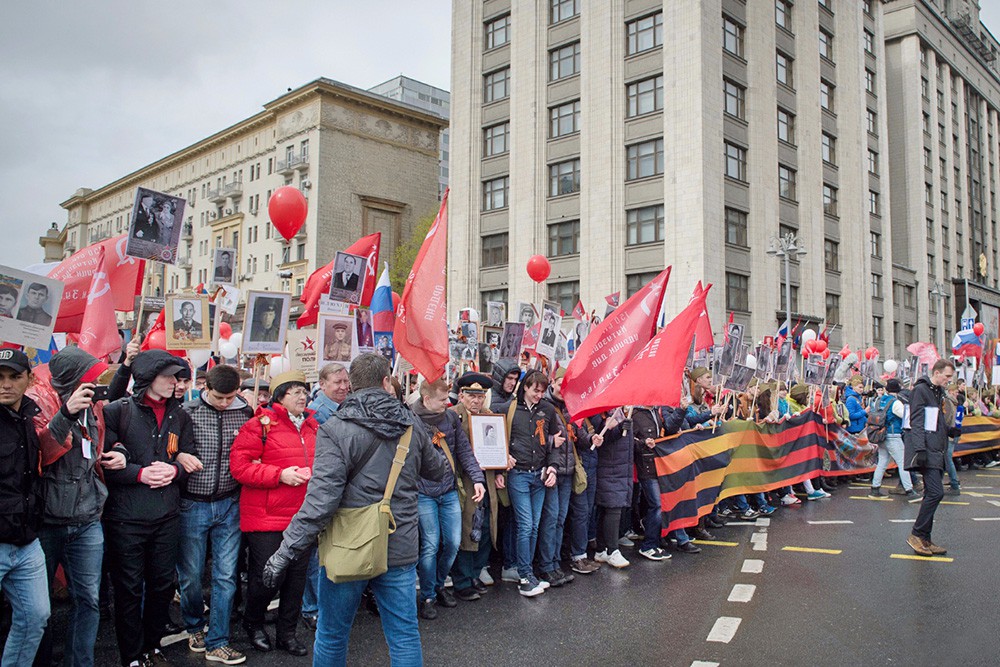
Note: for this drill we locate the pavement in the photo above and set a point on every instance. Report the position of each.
(830, 582)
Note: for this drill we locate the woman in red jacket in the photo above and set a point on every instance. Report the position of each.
(272, 458)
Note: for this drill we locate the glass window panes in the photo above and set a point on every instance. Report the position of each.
(644, 33)
(495, 249)
(564, 238)
(794, 293)
(644, 96)
(566, 294)
(564, 61)
(736, 162)
(829, 199)
(876, 286)
(636, 281)
(871, 121)
(786, 182)
(829, 148)
(644, 225)
(873, 202)
(872, 162)
(737, 292)
(564, 178)
(496, 85)
(495, 193)
(831, 255)
(497, 32)
(876, 244)
(732, 36)
(783, 14)
(786, 126)
(561, 10)
(833, 308)
(869, 42)
(826, 90)
(496, 139)
(564, 119)
(644, 159)
(736, 227)
(870, 81)
(783, 69)
(825, 45)
(735, 95)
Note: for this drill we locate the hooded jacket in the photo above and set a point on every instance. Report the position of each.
(614, 464)
(214, 433)
(532, 432)
(449, 425)
(132, 424)
(924, 433)
(370, 417)
(499, 397)
(20, 485)
(855, 410)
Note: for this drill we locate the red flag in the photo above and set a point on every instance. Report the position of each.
(927, 353)
(98, 331)
(318, 282)
(663, 358)
(613, 299)
(579, 313)
(421, 333)
(612, 344)
(704, 338)
(125, 275)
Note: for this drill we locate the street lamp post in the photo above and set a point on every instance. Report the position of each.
(786, 247)
(940, 293)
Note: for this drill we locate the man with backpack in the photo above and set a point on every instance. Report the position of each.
(885, 429)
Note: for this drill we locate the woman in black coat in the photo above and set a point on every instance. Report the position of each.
(614, 481)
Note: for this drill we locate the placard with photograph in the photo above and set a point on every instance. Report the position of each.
(764, 362)
(549, 330)
(470, 332)
(814, 373)
(348, 280)
(154, 230)
(303, 352)
(526, 313)
(739, 378)
(338, 339)
(489, 440)
(150, 307)
(732, 350)
(496, 313)
(383, 345)
(510, 344)
(188, 322)
(29, 305)
(562, 348)
(224, 266)
(266, 322)
(229, 299)
(832, 364)
(781, 362)
(366, 335)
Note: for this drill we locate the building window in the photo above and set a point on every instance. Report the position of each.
(877, 328)
(871, 119)
(495, 193)
(566, 294)
(495, 250)
(826, 95)
(564, 238)
(794, 290)
(303, 152)
(876, 286)
(829, 199)
(783, 14)
(644, 96)
(644, 159)
(564, 119)
(827, 4)
(496, 85)
(732, 36)
(869, 42)
(786, 126)
(867, 6)
(736, 227)
(561, 10)
(737, 292)
(870, 81)
(825, 45)
(644, 34)
(644, 225)
(829, 149)
(872, 162)
(498, 32)
(495, 139)
(636, 281)
(735, 99)
(783, 69)
(833, 308)
(564, 178)
(831, 255)
(564, 61)
(786, 182)
(874, 206)
(499, 295)
(300, 254)
(736, 162)
(909, 296)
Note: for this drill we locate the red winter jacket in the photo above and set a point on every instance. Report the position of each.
(265, 503)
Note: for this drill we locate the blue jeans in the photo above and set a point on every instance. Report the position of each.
(440, 535)
(652, 523)
(22, 578)
(80, 550)
(527, 495)
(553, 522)
(582, 511)
(338, 603)
(310, 597)
(201, 522)
(949, 464)
(681, 536)
(893, 446)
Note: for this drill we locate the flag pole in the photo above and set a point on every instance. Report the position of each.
(142, 301)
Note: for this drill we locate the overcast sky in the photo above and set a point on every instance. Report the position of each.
(90, 91)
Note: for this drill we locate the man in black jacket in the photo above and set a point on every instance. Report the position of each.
(142, 513)
(372, 416)
(22, 562)
(926, 445)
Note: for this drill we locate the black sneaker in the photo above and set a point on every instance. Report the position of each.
(445, 598)
(876, 492)
(530, 587)
(479, 586)
(554, 578)
(952, 491)
(689, 548)
(568, 577)
(428, 610)
(749, 515)
(467, 594)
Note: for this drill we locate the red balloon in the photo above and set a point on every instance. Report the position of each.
(820, 345)
(157, 340)
(225, 330)
(845, 352)
(287, 208)
(978, 328)
(826, 353)
(539, 268)
(871, 353)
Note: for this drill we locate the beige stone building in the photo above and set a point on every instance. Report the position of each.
(364, 162)
(621, 137)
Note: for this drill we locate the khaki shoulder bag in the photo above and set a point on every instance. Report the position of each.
(355, 545)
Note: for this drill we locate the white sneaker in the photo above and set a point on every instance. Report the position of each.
(790, 499)
(509, 574)
(544, 584)
(625, 542)
(601, 556)
(485, 577)
(448, 582)
(617, 560)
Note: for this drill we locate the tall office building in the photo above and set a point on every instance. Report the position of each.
(944, 137)
(621, 137)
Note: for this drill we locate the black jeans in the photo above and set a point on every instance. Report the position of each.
(933, 493)
(142, 560)
(262, 546)
(608, 522)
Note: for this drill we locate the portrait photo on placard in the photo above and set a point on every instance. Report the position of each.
(29, 306)
(188, 323)
(525, 312)
(489, 441)
(223, 266)
(337, 338)
(548, 332)
(496, 313)
(470, 331)
(155, 226)
(266, 322)
(363, 323)
(348, 281)
(383, 344)
(510, 344)
(10, 295)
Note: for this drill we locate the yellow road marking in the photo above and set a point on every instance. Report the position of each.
(867, 498)
(936, 559)
(979, 474)
(976, 494)
(808, 550)
(952, 502)
(717, 543)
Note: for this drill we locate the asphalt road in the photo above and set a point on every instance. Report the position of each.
(854, 605)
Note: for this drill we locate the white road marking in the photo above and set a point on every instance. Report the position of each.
(758, 537)
(724, 629)
(752, 566)
(986, 518)
(827, 523)
(702, 663)
(994, 502)
(761, 544)
(764, 521)
(977, 488)
(902, 520)
(742, 593)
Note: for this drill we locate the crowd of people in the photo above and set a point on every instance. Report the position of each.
(145, 480)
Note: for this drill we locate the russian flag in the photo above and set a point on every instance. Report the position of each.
(383, 314)
(967, 344)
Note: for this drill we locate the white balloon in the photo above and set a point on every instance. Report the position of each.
(890, 366)
(227, 350)
(279, 365)
(236, 339)
(808, 335)
(752, 361)
(199, 357)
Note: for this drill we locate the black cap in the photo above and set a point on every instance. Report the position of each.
(15, 359)
(893, 386)
(474, 383)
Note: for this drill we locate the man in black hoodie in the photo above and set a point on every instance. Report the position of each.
(506, 373)
(142, 513)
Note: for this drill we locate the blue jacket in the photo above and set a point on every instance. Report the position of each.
(893, 424)
(323, 406)
(856, 411)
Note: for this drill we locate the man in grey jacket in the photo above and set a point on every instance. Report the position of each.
(369, 417)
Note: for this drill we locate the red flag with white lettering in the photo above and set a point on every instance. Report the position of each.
(421, 333)
(612, 344)
(318, 282)
(99, 331)
(125, 275)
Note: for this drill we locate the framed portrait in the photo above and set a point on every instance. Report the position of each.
(338, 339)
(303, 353)
(366, 334)
(150, 307)
(470, 331)
(154, 230)
(525, 313)
(29, 305)
(188, 322)
(496, 313)
(224, 266)
(832, 364)
(489, 441)
(814, 373)
(548, 333)
(384, 346)
(510, 344)
(265, 322)
(781, 361)
(348, 280)
(739, 378)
